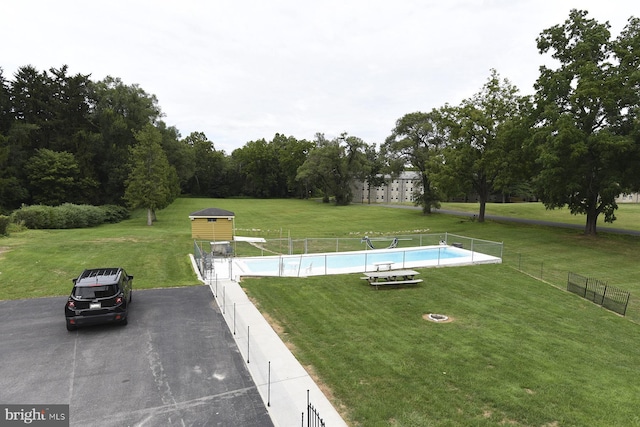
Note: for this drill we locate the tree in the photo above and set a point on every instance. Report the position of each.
(54, 177)
(178, 153)
(119, 111)
(152, 183)
(257, 164)
(375, 173)
(483, 147)
(291, 154)
(587, 128)
(416, 142)
(5, 105)
(334, 165)
(210, 168)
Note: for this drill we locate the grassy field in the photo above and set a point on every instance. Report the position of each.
(519, 351)
(516, 353)
(627, 216)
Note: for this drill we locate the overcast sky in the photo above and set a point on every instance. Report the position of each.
(245, 70)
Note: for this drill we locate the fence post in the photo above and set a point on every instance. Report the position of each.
(626, 304)
(269, 385)
(247, 343)
(308, 410)
(472, 240)
(234, 318)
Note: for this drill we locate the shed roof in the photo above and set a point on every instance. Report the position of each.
(211, 213)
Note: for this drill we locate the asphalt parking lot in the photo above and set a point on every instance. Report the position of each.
(175, 363)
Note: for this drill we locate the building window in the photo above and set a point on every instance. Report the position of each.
(212, 219)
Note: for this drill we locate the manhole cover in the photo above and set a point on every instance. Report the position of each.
(439, 318)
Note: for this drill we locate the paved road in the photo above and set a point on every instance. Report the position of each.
(175, 363)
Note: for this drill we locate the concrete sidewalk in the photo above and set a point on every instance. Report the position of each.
(281, 380)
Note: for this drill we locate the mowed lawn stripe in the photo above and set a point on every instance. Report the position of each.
(516, 351)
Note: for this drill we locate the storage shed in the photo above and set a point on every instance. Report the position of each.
(212, 224)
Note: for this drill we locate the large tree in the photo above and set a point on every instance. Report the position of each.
(54, 177)
(483, 154)
(416, 141)
(375, 174)
(257, 163)
(333, 165)
(291, 154)
(587, 130)
(210, 169)
(152, 183)
(119, 112)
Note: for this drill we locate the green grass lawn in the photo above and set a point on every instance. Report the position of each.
(519, 351)
(627, 215)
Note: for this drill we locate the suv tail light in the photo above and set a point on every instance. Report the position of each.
(71, 304)
(118, 300)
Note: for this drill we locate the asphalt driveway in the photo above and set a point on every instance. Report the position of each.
(175, 363)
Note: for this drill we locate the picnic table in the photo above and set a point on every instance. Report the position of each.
(391, 277)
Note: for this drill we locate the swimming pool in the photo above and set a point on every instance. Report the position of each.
(356, 261)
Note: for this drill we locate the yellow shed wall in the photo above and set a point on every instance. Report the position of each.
(219, 230)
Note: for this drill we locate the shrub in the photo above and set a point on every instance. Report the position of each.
(4, 225)
(77, 216)
(34, 217)
(114, 213)
(68, 216)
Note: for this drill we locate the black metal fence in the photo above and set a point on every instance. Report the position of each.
(599, 292)
(313, 416)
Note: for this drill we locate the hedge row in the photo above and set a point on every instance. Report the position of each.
(68, 216)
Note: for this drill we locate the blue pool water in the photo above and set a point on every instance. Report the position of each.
(359, 261)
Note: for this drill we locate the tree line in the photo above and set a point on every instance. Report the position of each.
(575, 142)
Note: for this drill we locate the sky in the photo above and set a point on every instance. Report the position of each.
(243, 70)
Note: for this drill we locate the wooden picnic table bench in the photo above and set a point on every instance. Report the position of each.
(383, 265)
(392, 277)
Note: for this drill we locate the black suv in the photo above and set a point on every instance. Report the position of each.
(99, 295)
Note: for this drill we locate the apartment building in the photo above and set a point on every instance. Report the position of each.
(398, 190)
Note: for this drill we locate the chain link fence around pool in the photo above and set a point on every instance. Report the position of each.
(207, 253)
(290, 246)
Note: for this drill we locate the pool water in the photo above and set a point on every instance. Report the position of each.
(357, 261)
